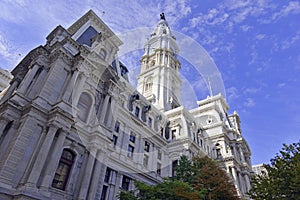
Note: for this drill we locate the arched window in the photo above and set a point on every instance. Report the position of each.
(148, 84)
(102, 54)
(63, 170)
(84, 106)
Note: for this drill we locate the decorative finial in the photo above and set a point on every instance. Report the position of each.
(162, 16)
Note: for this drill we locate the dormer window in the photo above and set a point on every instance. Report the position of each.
(86, 36)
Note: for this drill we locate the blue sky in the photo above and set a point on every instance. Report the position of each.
(254, 44)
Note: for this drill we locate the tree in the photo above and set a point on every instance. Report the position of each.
(167, 190)
(282, 180)
(200, 178)
(206, 176)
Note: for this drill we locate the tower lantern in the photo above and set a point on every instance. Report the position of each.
(159, 79)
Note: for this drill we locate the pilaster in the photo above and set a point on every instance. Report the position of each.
(54, 160)
(41, 158)
(85, 184)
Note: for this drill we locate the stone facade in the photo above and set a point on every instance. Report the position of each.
(72, 127)
(259, 170)
(5, 78)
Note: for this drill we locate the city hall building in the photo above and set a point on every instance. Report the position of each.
(72, 126)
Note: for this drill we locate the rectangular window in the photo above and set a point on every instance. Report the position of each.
(132, 138)
(125, 183)
(104, 191)
(63, 170)
(158, 171)
(150, 122)
(174, 165)
(107, 175)
(218, 151)
(130, 151)
(117, 127)
(115, 140)
(147, 146)
(137, 111)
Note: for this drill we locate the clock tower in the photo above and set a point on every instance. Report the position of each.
(159, 80)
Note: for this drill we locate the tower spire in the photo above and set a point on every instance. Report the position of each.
(159, 79)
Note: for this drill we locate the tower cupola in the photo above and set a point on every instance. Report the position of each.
(159, 79)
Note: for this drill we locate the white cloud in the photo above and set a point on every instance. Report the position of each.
(232, 93)
(292, 8)
(250, 91)
(290, 41)
(245, 28)
(249, 103)
(8, 52)
(260, 36)
(4, 48)
(281, 85)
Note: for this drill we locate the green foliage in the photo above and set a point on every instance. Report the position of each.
(184, 170)
(167, 190)
(282, 180)
(198, 179)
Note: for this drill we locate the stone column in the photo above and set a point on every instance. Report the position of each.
(71, 85)
(41, 157)
(248, 184)
(55, 157)
(96, 175)
(26, 82)
(117, 183)
(87, 175)
(242, 155)
(39, 84)
(139, 150)
(152, 152)
(4, 145)
(125, 139)
(242, 183)
(3, 124)
(234, 174)
(104, 108)
(79, 88)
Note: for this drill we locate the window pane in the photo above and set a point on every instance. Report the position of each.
(117, 126)
(63, 170)
(125, 183)
(104, 191)
(130, 151)
(137, 111)
(147, 146)
(87, 35)
(132, 138)
(114, 140)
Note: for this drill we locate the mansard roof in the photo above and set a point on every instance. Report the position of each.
(91, 18)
